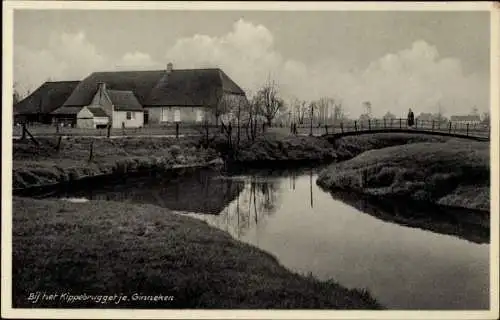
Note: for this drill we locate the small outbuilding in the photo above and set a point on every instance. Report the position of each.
(92, 117)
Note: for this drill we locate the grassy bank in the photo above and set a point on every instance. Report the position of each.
(108, 248)
(455, 173)
(44, 165)
(286, 148)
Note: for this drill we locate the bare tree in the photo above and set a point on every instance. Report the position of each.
(268, 101)
(475, 111)
(301, 110)
(485, 118)
(389, 115)
(16, 96)
(368, 108)
(324, 105)
(338, 112)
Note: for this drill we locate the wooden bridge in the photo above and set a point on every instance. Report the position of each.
(472, 131)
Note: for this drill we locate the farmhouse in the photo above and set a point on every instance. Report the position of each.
(136, 98)
(37, 107)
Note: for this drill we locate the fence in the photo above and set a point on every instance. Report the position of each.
(184, 129)
(169, 130)
(472, 129)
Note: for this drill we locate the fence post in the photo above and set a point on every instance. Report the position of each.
(355, 125)
(58, 147)
(467, 129)
(342, 127)
(177, 130)
(23, 135)
(91, 155)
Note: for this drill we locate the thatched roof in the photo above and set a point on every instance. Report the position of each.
(189, 87)
(67, 110)
(48, 97)
(124, 100)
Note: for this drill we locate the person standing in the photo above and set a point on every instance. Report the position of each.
(411, 118)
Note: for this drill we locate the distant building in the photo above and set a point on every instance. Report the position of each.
(468, 119)
(427, 117)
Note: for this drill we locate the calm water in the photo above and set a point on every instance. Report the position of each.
(357, 243)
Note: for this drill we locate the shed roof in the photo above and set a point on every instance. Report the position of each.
(97, 112)
(64, 110)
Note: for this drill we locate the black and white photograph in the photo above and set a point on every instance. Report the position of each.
(264, 160)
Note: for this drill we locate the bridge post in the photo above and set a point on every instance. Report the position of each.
(355, 125)
(449, 128)
(369, 124)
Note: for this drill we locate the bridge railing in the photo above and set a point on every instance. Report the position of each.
(344, 126)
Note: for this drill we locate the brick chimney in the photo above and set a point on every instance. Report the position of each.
(102, 86)
(170, 66)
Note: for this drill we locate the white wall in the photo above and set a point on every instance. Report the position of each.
(85, 123)
(100, 120)
(85, 119)
(120, 117)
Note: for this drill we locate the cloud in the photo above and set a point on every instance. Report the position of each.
(69, 56)
(137, 61)
(416, 77)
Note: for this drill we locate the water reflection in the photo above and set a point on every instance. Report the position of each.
(199, 191)
(362, 244)
(471, 225)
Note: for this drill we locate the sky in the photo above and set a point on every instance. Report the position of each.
(427, 61)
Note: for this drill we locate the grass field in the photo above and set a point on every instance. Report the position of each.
(454, 173)
(107, 248)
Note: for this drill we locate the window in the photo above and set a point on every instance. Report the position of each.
(199, 115)
(177, 115)
(130, 115)
(164, 114)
